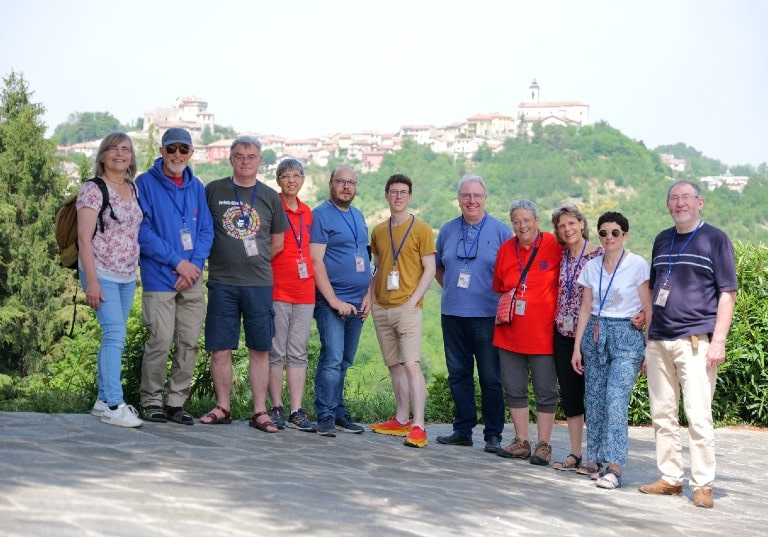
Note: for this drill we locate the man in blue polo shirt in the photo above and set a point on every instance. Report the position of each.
(338, 248)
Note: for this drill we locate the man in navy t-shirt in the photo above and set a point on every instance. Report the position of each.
(693, 278)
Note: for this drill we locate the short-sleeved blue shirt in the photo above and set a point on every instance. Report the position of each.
(479, 300)
(344, 234)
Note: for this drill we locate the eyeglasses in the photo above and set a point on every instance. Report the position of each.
(616, 233)
(685, 197)
(171, 149)
(119, 149)
(345, 182)
(524, 221)
(467, 197)
(401, 193)
(294, 176)
(239, 158)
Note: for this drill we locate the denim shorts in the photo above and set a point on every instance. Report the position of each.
(227, 304)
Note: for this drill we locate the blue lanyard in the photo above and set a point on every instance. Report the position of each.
(392, 240)
(182, 210)
(571, 276)
(354, 222)
(672, 245)
(246, 218)
(600, 289)
(464, 235)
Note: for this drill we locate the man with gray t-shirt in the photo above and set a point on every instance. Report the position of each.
(249, 225)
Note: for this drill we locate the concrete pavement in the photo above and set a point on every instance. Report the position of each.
(67, 475)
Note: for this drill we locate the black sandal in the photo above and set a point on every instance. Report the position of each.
(177, 415)
(154, 414)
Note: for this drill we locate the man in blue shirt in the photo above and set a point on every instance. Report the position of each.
(466, 253)
(338, 248)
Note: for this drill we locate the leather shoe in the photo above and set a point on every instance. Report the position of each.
(703, 498)
(455, 439)
(492, 444)
(662, 487)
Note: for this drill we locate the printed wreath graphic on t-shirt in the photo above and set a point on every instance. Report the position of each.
(232, 214)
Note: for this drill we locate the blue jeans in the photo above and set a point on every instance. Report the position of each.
(112, 315)
(338, 344)
(467, 339)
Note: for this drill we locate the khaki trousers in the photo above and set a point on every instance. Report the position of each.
(672, 365)
(170, 318)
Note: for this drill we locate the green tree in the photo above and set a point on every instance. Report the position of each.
(207, 136)
(31, 280)
(483, 153)
(148, 150)
(270, 157)
(85, 126)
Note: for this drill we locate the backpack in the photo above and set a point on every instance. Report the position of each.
(66, 224)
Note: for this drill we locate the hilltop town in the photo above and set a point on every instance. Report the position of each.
(459, 138)
(462, 138)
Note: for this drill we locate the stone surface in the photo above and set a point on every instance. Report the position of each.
(71, 475)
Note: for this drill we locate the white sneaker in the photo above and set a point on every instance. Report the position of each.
(123, 416)
(99, 407)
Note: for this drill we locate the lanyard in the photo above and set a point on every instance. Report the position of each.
(297, 236)
(392, 240)
(246, 218)
(672, 245)
(524, 273)
(600, 288)
(464, 236)
(354, 223)
(183, 209)
(571, 276)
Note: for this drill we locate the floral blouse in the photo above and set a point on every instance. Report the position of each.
(116, 250)
(568, 304)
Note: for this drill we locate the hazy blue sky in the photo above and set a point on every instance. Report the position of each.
(661, 71)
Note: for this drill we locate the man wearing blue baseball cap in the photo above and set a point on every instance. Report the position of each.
(175, 239)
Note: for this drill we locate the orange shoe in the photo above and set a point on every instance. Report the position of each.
(416, 438)
(391, 427)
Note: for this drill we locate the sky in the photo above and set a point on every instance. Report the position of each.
(661, 71)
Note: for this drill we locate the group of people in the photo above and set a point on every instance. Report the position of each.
(523, 303)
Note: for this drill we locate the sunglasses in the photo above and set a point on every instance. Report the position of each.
(614, 232)
(171, 149)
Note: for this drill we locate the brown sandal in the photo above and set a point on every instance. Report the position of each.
(265, 426)
(214, 419)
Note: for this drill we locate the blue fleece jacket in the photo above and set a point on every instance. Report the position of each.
(160, 233)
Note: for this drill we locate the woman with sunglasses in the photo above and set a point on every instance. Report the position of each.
(608, 348)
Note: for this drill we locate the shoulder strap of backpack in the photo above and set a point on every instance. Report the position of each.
(104, 204)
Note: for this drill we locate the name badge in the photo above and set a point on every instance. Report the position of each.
(519, 307)
(661, 298)
(568, 323)
(393, 281)
(359, 262)
(464, 277)
(251, 247)
(303, 272)
(186, 238)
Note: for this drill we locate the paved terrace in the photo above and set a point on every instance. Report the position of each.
(70, 475)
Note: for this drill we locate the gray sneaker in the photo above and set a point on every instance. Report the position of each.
(326, 427)
(346, 424)
(299, 420)
(518, 449)
(277, 416)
